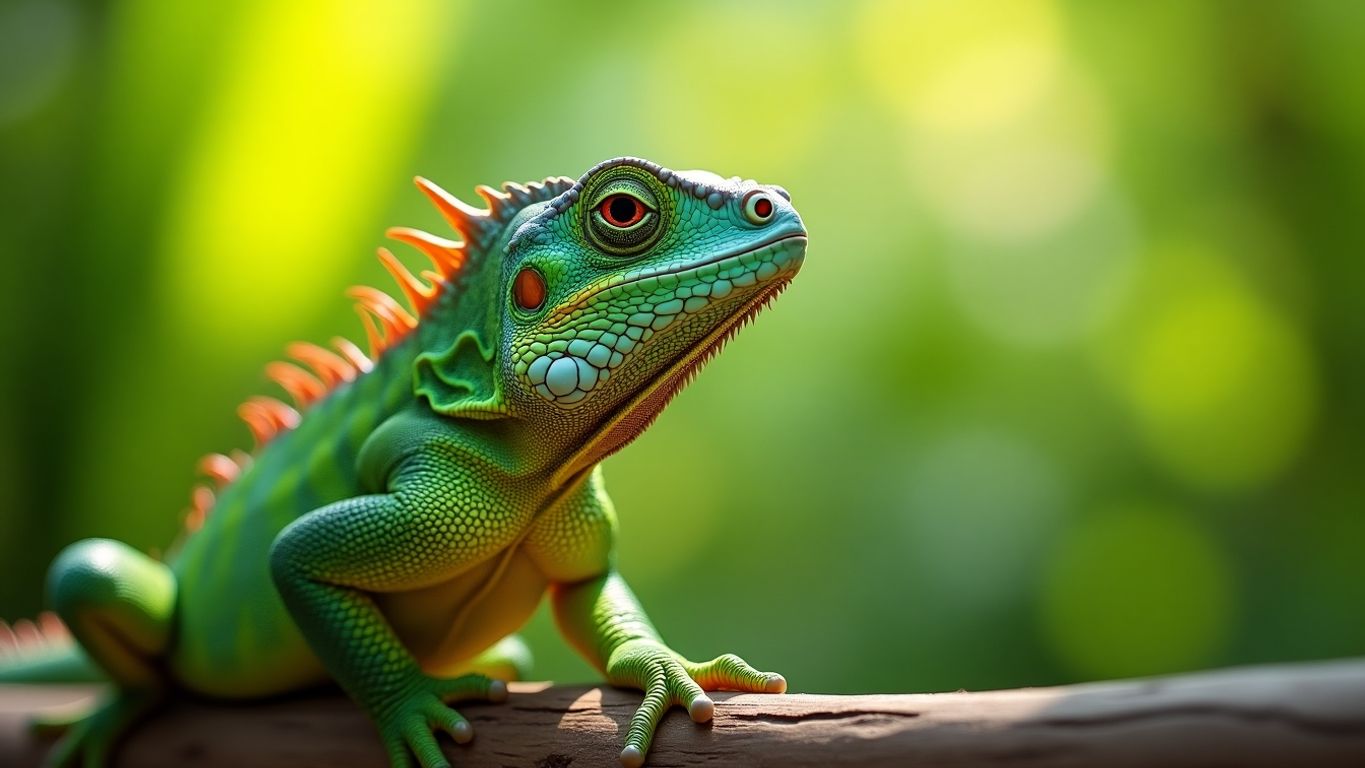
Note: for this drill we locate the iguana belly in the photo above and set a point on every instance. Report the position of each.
(446, 625)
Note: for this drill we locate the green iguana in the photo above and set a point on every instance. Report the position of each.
(394, 532)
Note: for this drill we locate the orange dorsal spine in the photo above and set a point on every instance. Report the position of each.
(330, 369)
(219, 468)
(352, 353)
(301, 385)
(47, 631)
(385, 321)
(472, 223)
(315, 371)
(447, 256)
(419, 294)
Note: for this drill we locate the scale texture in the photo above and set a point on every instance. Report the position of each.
(400, 521)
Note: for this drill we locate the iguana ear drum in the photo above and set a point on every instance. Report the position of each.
(528, 290)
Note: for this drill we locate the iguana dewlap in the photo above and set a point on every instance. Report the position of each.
(397, 528)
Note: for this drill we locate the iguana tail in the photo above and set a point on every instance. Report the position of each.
(43, 652)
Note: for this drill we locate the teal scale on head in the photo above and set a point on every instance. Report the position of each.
(415, 510)
(647, 272)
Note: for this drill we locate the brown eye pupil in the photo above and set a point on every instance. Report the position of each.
(529, 289)
(763, 207)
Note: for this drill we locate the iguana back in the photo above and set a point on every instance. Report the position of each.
(235, 637)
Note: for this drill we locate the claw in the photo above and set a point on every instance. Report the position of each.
(701, 709)
(408, 729)
(669, 680)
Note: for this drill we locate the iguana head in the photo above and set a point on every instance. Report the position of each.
(618, 290)
(583, 307)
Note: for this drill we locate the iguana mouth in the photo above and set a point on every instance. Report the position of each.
(635, 416)
(682, 269)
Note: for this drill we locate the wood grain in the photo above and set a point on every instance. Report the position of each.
(1299, 714)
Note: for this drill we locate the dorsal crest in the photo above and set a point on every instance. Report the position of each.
(314, 371)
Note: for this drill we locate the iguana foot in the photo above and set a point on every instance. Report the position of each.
(90, 739)
(668, 680)
(407, 725)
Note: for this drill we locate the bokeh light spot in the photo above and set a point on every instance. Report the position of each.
(1022, 180)
(957, 67)
(1222, 388)
(1138, 591)
(1052, 289)
(321, 106)
(1008, 148)
(767, 123)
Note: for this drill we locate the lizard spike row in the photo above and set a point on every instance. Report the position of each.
(385, 321)
(473, 224)
(219, 468)
(430, 464)
(331, 369)
(394, 322)
(302, 386)
(419, 294)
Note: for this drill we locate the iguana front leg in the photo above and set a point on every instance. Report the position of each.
(604, 620)
(430, 525)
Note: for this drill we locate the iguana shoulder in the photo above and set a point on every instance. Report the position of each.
(451, 329)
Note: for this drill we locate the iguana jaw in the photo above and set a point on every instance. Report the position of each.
(633, 417)
(610, 284)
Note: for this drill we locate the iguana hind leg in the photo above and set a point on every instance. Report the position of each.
(119, 604)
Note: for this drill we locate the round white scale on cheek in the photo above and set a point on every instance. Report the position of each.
(567, 379)
(562, 376)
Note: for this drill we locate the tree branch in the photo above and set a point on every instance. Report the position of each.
(1298, 714)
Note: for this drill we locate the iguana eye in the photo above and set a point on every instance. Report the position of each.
(758, 207)
(621, 210)
(624, 219)
(528, 290)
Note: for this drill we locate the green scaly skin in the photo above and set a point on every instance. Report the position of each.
(412, 521)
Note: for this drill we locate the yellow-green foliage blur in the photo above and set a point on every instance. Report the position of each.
(1072, 384)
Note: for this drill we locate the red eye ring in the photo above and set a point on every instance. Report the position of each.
(622, 210)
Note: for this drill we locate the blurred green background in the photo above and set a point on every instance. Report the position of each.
(1071, 385)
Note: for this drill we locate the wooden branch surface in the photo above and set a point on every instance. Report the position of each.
(1298, 714)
